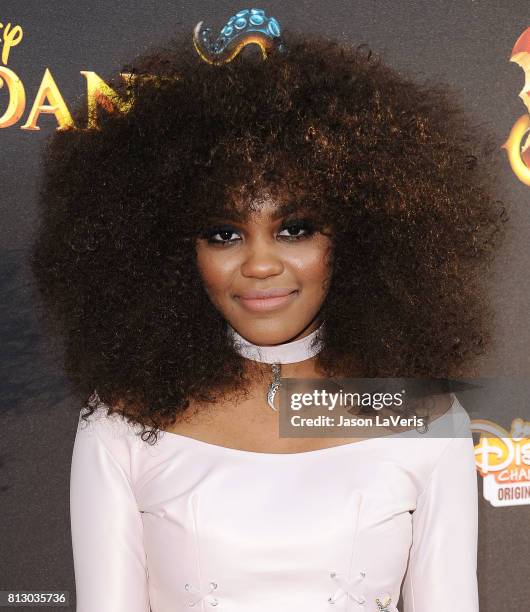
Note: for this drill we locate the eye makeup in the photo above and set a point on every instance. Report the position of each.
(300, 227)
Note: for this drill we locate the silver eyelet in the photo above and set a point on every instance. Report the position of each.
(202, 596)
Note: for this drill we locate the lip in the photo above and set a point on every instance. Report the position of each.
(266, 299)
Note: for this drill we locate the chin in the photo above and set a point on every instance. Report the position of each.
(268, 332)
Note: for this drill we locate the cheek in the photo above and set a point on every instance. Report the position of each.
(312, 264)
(216, 269)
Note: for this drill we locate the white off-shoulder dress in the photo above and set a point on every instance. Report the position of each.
(190, 525)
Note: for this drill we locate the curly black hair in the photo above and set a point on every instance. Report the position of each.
(395, 166)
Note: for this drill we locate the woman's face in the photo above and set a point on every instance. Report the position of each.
(268, 275)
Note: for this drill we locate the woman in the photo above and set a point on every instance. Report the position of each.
(311, 214)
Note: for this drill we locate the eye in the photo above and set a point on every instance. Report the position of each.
(297, 229)
(221, 235)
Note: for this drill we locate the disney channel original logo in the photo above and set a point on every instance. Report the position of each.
(503, 459)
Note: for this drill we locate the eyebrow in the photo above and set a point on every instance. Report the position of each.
(282, 210)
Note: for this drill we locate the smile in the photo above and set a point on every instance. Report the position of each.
(264, 304)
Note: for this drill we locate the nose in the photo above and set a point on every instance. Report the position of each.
(261, 260)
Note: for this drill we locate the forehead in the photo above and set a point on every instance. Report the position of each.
(245, 205)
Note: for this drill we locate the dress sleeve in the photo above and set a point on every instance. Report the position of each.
(107, 530)
(442, 570)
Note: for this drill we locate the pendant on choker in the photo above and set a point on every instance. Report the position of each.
(274, 385)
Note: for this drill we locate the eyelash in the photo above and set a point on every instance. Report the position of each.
(304, 224)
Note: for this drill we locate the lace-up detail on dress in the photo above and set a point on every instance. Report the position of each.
(347, 587)
(202, 596)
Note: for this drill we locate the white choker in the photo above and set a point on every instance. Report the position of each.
(288, 352)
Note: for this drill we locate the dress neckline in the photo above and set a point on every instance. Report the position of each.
(238, 451)
(454, 408)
